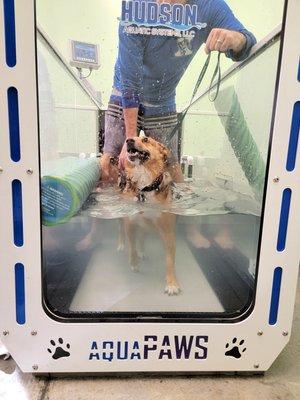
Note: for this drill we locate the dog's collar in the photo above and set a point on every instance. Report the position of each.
(150, 188)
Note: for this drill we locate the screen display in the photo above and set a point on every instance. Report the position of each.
(85, 52)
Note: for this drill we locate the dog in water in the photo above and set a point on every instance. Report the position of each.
(146, 178)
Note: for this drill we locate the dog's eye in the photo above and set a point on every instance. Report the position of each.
(145, 140)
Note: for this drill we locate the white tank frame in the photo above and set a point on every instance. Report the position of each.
(28, 343)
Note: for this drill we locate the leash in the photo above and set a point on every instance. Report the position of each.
(212, 98)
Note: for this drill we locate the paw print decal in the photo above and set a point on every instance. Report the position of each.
(58, 350)
(235, 349)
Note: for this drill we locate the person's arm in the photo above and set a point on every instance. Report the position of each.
(227, 33)
(130, 119)
(131, 54)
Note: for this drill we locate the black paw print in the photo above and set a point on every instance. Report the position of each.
(236, 350)
(59, 351)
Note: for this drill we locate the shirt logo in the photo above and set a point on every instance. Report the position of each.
(182, 17)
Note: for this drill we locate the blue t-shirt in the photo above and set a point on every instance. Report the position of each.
(149, 67)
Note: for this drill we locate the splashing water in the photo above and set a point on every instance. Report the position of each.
(189, 199)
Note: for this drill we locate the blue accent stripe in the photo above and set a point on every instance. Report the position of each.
(20, 293)
(17, 212)
(294, 138)
(284, 219)
(275, 299)
(14, 125)
(10, 32)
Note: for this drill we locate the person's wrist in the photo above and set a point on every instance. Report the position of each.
(131, 134)
(242, 43)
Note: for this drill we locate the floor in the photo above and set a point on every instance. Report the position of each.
(135, 291)
(124, 290)
(282, 382)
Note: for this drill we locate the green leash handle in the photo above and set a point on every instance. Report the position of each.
(217, 73)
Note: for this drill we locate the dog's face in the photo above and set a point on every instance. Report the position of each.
(147, 152)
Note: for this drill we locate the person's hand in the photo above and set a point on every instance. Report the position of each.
(123, 156)
(224, 40)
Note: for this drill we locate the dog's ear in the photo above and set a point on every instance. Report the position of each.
(167, 156)
(165, 152)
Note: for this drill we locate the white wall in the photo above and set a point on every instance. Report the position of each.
(96, 21)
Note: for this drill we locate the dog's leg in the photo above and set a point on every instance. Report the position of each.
(141, 244)
(166, 227)
(92, 238)
(130, 229)
(121, 240)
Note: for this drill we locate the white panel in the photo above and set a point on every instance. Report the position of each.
(30, 350)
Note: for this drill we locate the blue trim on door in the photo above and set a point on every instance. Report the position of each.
(17, 205)
(284, 219)
(275, 298)
(20, 293)
(14, 124)
(294, 138)
(10, 32)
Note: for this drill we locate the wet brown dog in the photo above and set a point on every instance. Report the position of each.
(146, 177)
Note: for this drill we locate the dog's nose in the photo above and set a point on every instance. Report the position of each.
(129, 141)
